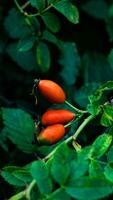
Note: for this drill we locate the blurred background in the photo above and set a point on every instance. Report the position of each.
(73, 47)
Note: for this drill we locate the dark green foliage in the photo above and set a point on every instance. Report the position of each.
(71, 43)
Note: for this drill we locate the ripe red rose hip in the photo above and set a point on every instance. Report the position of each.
(57, 117)
(51, 134)
(51, 91)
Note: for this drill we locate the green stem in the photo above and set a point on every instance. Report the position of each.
(73, 137)
(76, 109)
(25, 193)
(25, 5)
(81, 127)
(30, 15)
(28, 190)
(39, 13)
(19, 7)
(18, 196)
(73, 121)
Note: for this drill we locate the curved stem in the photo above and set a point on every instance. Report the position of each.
(76, 109)
(39, 13)
(73, 121)
(26, 5)
(25, 193)
(81, 127)
(73, 137)
(28, 190)
(30, 15)
(19, 7)
(18, 196)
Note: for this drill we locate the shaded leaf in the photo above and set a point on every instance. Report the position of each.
(59, 194)
(43, 57)
(78, 168)
(39, 4)
(93, 64)
(110, 58)
(26, 60)
(26, 43)
(81, 96)
(95, 168)
(16, 25)
(70, 62)
(3, 139)
(62, 157)
(51, 21)
(16, 175)
(110, 155)
(20, 127)
(40, 173)
(97, 9)
(90, 188)
(109, 172)
(49, 37)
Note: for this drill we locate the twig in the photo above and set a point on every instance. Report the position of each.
(76, 109)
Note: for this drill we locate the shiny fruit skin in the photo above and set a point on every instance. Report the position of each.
(51, 134)
(51, 91)
(57, 117)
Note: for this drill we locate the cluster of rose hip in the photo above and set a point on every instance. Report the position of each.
(54, 121)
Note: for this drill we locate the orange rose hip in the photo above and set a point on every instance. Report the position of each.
(51, 134)
(57, 117)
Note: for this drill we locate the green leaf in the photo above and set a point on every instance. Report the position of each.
(3, 139)
(26, 60)
(16, 25)
(85, 153)
(39, 4)
(101, 145)
(49, 37)
(51, 1)
(78, 168)
(43, 57)
(59, 194)
(93, 64)
(108, 172)
(93, 108)
(99, 97)
(110, 11)
(51, 21)
(110, 58)
(97, 9)
(26, 43)
(61, 158)
(20, 127)
(40, 173)
(110, 155)
(16, 175)
(107, 116)
(70, 62)
(68, 10)
(109, 27)
(95, 168)
(90, 188)
(81, 96)
(23, 175)
(35, 193)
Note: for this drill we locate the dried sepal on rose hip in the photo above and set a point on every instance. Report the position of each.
(51, 91)
(51, 134)
(61, 116)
